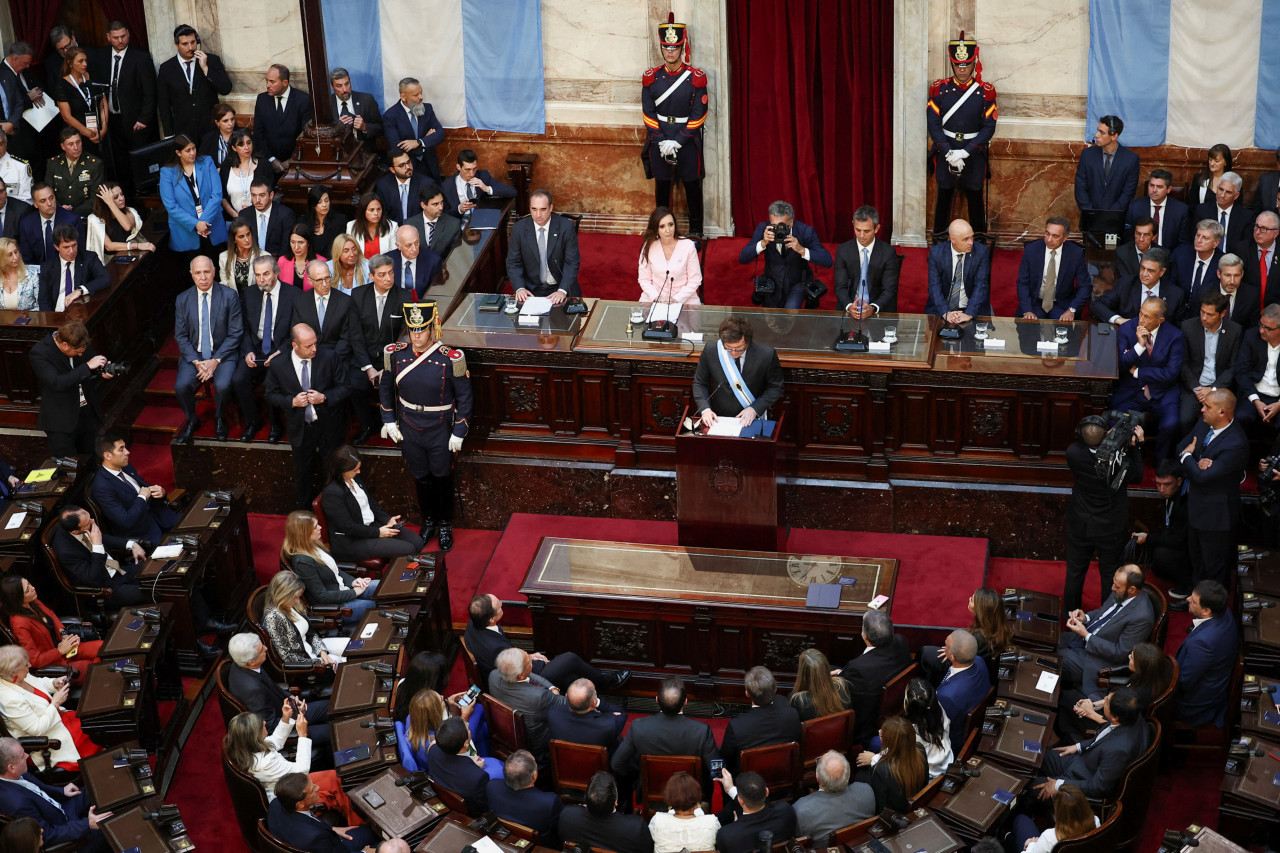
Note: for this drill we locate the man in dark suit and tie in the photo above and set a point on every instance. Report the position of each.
(130, 506)
(1229, 212)
(1213, 460)
(279, 115)
(543, 258)
(435, 230)
(1167, 214)
(131, 97)
(412, 126)
(1261, 267)
(585, 719)
(35, 233)
(745, 817)
(358, 110)
(328, 313)
(736, 377)
(787, 263)
(471, 185)
(67, 370)
(289, 818)
(1097, 766)
(1243, 303)
(81, 548)
(511, 684)
(1195, 264)
(668, 732)
(17, 97)
(1151, 356)
(1207, 657)
(189, 85)
(600, 825)
(516, 798)
(770, 719)
(1257, 379)
(72, 276)
(885, 655)
(964, 684)
(1129, 255)
(1107, 174)
(270, 223)
(65, 814)
(207, 329)
(959, 276)
(378, 310)
(1264, 196)
(454, 770)
(413, 268)
(268, 312)
(11, 212)
(1123, 302)
(254, 688)
(867, 269)
(308, 386)
(1212, 343)
(1105, 636)
(1053, 278)
(400, 188)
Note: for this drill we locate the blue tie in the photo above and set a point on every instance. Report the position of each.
(69, 286)
(1208, 438)
(1222, 220)
(206, 332)
(1104, 619)
(862, 282)
(413, 122)
(320, 312)
(266, 325)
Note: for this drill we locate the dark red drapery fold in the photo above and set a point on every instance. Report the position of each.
(811, 93)
(129, 11)
(32, 20)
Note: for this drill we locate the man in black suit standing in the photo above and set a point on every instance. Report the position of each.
(279, 115)
(1228, 211)
(1210, 334)
(668, 732)
(400, 187)
(471, 185)
(68, 370)
(19, 92)
(1129, 255)
(189, 85)
(11, 212)
(411, 125)
(1213, 460)
(435, 230)
(307, 385)
(867, 269)
(543, 258)
(72, 276)
(131, 98)
(378, 310)
(358, 110)
(585, 719)
(886, 654)
(769, 721)
(735, 376)
(1097, 766)
(328, 313)
(1261, 266)
(268, 309)
(788, 262)
(270, 223)
(1244, 306)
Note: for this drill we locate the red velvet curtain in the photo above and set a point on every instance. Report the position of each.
(32, 20)
(129, 11)
(811, 88)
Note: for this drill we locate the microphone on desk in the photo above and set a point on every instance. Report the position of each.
(398, 618)
(380, 667)
(1015, 598)
(1012, 657)
(380, 723)
(1257, 604)
(660, 330)
(131, 669)
(996, 713)
(417, 777)
(855, 341)
(1243, 750)
(1175, 839)
(148, 614)
(167, 813)
(134, 756)
(1255, 688)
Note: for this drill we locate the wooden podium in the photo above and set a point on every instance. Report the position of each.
(727, 489)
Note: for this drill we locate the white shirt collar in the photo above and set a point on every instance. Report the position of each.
(119, 53)
(1196, 623)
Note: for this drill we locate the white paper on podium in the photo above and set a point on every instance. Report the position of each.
(662, 312)
(536, 306)
(167, 552)
(16, 520)
(1048, 681)
(993, 343)
(726, 426)
(39, 117)
(879, 346)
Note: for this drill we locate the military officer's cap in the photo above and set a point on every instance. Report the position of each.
(422, 315)
(671, 34)
(963, 51)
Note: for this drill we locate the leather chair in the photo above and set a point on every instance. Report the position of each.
(1105, 837)
(1134, 790)
(817, 736)
(506, 727)
(90, 602)
(248, 801)
(1209, 738)
(1160, 608)
(848, 835)
(656, 770)
(371, 567)
(973, 722)
(894, 691)
(519, 830)
(470, 666)
(779, 764)
(926, 794)
(227, 703)
(452, 800)
(573, 765)
(268, 843)
(294, 674)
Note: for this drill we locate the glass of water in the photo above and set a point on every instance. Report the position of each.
(982, 328)
(890, 334)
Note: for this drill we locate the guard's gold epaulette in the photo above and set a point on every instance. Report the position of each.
(390, 350)
(459, 361)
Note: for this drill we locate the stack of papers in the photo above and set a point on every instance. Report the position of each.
(167, 552)
(662, 312)
(41, 475)
(726, 426)
(536, 306)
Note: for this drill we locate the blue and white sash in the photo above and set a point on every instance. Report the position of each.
(737, 384)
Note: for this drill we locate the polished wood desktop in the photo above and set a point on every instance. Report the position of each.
(356, 689)
(453, 834)
(347, 733)
(424, 581)
(401, 814)
(130, 831)
(384, 636)
(1016, 742)
(1025, 680)
(1036, 621)
(925, 834)
(115, 708)
(972, 811)
(110, 787)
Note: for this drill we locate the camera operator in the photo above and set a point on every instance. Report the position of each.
(788, 248)
(68, 371)
(1097, 515)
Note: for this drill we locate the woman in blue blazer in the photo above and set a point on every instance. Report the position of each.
(192, 194)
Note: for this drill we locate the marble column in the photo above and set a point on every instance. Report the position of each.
(910, 137)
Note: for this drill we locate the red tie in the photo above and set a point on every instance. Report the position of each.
(1156, 218)
(1262, 277)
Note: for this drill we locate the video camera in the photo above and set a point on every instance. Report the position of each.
(1113, 452)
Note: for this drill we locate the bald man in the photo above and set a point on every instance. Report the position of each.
(415, 267)
(959, 276)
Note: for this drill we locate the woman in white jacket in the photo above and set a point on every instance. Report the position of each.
(32, 707)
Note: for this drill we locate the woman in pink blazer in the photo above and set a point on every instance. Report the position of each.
(669, 269)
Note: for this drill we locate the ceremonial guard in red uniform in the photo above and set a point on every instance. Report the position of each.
(962, 119)
(674, 97)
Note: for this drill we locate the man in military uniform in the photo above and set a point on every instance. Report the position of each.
(674, 96)
(75, 176)
(15, 173)
(962, 119)
(425, 394)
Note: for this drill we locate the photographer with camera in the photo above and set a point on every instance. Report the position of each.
(788, 248)
(1098, 513)
(68, 371)
(1151, 355)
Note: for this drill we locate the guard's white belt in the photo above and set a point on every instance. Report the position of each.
(414, 407)
(673, 119)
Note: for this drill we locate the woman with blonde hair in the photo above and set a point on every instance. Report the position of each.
(31, 706)
(818, 693)
(19, 283)
(427, 710)
(325, 583)
(348, 264)
(285, 621)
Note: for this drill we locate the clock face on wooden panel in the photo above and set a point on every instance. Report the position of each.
(807, 570)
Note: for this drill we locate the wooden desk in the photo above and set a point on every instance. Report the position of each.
(356, 689)
(1253, 709)
(926, 833)
(972, 811)
(150, 640)
(411, 580)
(114, 709)
(1007, 744)
(1020, 681)
(705, 613)
(452, 834)
(130, 830)
(110, 787)
(386, 637)
(1028, 628)
(402, 815)
(347, 734)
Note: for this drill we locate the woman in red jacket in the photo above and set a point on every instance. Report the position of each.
(38, 630)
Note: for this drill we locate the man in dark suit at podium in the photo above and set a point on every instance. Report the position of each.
(736, 377)
(65, 814)
(886, 654)
(1053, 278)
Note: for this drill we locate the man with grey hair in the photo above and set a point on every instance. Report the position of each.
(1121, 303)
(412, 126)
(1261, 269)
(266, 313)
(509, 683)
(516, 798)
(251, 686)
(1226, 210)
(867, 269)
(1257, 378)
(207, 328)
(414, 267)
(1243, 303)
(327, 310)
(378, 314)
(886, 654)
(964, 685)
(585, 719)
(836, 803)
(770, 719)
(789, 249)
(1195, 263)
(65, 814)
(357, 110)
(1151, 356)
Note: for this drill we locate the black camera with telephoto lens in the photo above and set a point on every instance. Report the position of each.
(113, 368)
(781, 231)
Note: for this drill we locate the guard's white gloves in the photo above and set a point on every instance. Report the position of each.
(392, 431)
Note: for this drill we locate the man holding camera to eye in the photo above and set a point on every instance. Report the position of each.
(788, 248)
(68, 371)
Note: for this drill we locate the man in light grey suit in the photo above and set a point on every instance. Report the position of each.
(513, 683)
(836, 803)
(1105, 636)
(436, 231)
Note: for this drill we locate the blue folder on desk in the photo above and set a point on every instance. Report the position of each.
(485, 218)
(759, 428)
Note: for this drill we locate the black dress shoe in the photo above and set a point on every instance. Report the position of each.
(207, 651)
(273, 437)
(620, 678)
(218, 627)
(220, 429)
(249, 432)
(362, 436)
(446, 537)
(188, 431)
(428, 530)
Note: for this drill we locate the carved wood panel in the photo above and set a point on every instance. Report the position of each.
(661, 402)
(595, 402)
(524, 398)
(835, 419)
(621, 641)
(988, 422)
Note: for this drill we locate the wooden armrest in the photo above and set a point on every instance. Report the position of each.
(52, 671)
(349, 568)
(323, 610)
(301, 668)
(33, 744)
(175, 495)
